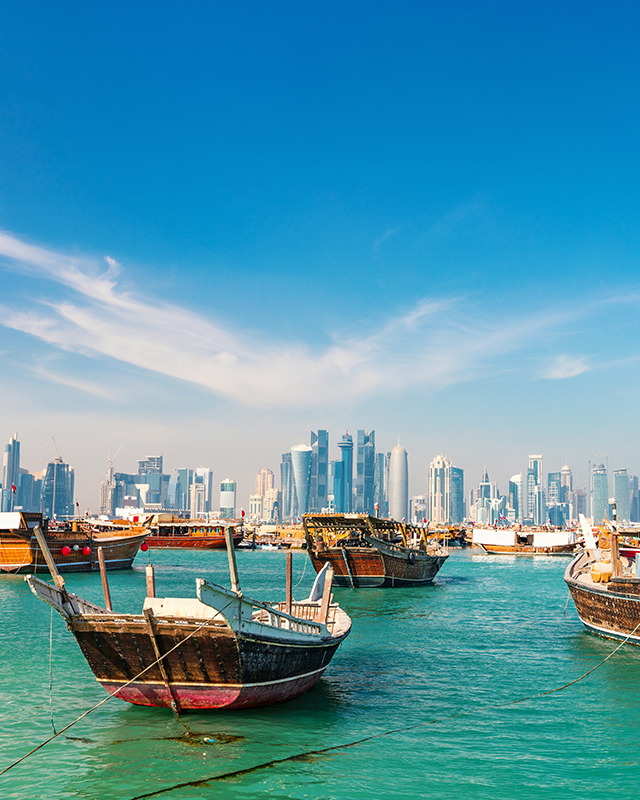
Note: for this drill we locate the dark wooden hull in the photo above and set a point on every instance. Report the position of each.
(215, 668)
(369, 567)
(23, 556)
(611, 610)
(216, 542)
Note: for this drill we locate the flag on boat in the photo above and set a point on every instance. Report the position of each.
(13, 488)
(242, 513)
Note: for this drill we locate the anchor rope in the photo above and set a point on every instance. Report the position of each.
(51, 671)
(297, 756)
(111, 696)
(302, 576)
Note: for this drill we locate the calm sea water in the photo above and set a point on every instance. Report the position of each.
(490, 630)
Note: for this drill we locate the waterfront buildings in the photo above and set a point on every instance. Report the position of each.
(228, 499)
(599, 493)
(301, 463)
(10, 474)
(446, 491)
(319, 471)
(621, 492)
(346, 490)
(57, 490)
(399, 484)
(365, 472)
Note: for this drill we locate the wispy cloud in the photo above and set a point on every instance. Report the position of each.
(434, 344)
(98, 390)
(566, 367)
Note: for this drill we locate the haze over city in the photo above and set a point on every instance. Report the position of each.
(225, 229)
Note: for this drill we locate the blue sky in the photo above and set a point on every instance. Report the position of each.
(224, 225)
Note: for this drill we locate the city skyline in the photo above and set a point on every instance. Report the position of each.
(332, 215)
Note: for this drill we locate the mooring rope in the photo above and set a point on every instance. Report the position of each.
(51, 670)
(297, 756)
(111, 696)
(303, 571)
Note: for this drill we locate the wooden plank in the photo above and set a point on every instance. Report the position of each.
(289, 582)
(105, 582)
(165, 677)
(42, 543)
(151, 580)
(233, 566)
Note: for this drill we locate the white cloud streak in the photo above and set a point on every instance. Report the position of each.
(435, 344)
(566, 367)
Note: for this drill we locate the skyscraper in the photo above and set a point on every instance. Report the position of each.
(288, 487)
(319, 477)
(446, 491)
(264, 481)
(57, 490)
(621, 494)
(204, 476)
(600, 493)
(301, 463)
(150, 465)
(365, 472)
(339, 498)
(516, 498)
(381, 484)
(346, 450)
(228, 499)
(399, 484)
(534, 510)
(10, 473)
(566, 483)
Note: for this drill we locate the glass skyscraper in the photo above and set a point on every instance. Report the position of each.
(365, 472)
(346, 450)
(622, 494)
(599, 493)
(10, 473)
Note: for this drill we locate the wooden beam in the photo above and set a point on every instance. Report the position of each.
(233, 566)
(151, 580)
(165, 676)
(105, 582)
(289, 599)
(44, 547)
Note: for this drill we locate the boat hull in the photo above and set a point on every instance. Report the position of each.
(528, 550)
(214, 668)
(371, 567)
(611, 610)
(192, 542)
(23, 556)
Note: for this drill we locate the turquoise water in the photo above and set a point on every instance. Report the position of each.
(491, 630)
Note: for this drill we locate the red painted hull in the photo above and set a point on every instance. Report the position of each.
(189, 542)
(215, 696)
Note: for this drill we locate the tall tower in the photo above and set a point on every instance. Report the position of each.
(264, 481)
(600, 496)
(10, 473)
(534, 494)
(288, 487)
(516, 497)
(566, 483)
(622, 494)
(365, 471)
(57, 490)
(399, 484)
(227, 499)
(346, 450)
(301, 463)
(319, 470)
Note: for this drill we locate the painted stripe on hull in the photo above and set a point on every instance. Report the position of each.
(205, 696)
(608, 634)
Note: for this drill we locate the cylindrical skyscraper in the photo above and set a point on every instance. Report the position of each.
(399, 484)
(301, 463)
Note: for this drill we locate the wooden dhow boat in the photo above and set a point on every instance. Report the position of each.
(524, 541)
(605, 589)
(73, 545)
(367, 552)
(169, 531)
(219, 649)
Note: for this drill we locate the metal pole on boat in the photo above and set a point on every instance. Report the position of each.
(289, 583)
(233, 567)
(42, 542)
(105, 582)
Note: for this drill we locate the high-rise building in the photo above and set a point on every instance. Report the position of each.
(634, 499)
(319, 471)
(149, 465)
(599, 493)
(339, 487)
(301, 463)
(346, 451)
(108, 491)
(204, 476)
(381, 484)
(446, 491)
(516, 508)
(264, 481)
(365, 472)
(271, 505)
(554, 487)
(398, 484)
(621, 486)
(535, 498)
(566, 483)
(10, 474)
(198, 497)
(228, 499)
(419, 508)
(288, 487)
(57, 490)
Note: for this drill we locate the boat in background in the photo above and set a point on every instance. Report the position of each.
(169, 530)
(367, 552)
(220, 649)
(525, 541)
(605, 588)
(73, 544)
